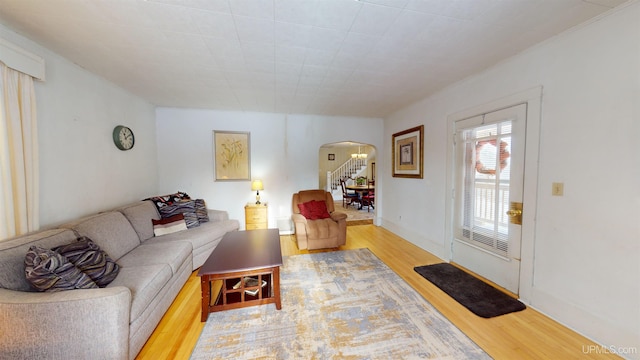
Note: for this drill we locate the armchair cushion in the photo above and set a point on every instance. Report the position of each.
(313, 210)
(322, 229)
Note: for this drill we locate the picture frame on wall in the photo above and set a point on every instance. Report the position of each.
(232, 157)
(408, 152)
(331, 157)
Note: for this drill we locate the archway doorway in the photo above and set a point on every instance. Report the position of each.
(350, 161)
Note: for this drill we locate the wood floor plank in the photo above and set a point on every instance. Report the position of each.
(526, 334)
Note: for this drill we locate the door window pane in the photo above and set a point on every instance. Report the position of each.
(485, 180)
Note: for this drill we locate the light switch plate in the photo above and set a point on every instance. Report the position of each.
(557, 189)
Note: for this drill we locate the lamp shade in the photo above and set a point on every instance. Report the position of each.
(256, 185)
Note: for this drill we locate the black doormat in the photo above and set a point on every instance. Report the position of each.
(481, 298)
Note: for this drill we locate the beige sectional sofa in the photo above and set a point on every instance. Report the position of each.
(112, 322)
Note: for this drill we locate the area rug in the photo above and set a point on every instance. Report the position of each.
(355, 216)
(479, 297)
(336, 305)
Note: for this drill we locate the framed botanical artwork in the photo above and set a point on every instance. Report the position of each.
(331, 157)
(231, 154)
(407, 153)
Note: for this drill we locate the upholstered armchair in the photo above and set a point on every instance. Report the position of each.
(318, 225)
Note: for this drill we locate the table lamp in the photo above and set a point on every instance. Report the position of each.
(256, 186)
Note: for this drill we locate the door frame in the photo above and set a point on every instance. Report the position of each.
(533, 99)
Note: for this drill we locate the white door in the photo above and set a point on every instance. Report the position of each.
(489, 177)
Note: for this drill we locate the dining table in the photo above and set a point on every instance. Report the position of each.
(361, 189)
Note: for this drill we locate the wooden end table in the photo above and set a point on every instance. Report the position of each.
(241, 255)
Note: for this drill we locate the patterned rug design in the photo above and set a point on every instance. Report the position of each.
(355, 216)
(337, 305)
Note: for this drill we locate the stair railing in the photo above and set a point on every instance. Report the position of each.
(346, 170)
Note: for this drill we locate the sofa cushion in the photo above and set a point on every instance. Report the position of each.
(313, 210)
(47, 270)
(172, 253)
(13, 251)
(139, 215)
(169, 225)
(200, 236)
(186, 208)
(110, 230)
(217, 215)
(144, 282)
(91, 260)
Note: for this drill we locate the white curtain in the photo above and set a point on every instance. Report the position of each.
(19, 193)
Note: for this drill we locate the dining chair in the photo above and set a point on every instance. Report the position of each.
(368, 200)
(348, 198)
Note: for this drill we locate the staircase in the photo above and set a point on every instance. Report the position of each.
(351, 168)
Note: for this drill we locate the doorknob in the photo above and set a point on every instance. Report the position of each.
(515, 213)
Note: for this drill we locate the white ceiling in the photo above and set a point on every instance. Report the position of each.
(328, 57)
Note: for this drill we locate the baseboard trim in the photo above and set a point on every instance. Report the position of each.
(593, 327)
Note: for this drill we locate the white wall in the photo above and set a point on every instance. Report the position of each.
(81, 171)
(284, 154)
(586, 260)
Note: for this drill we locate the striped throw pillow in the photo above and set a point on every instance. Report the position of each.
(169, 225)
(50, 271)
(186, 208)
(91, 260)
(201, 210)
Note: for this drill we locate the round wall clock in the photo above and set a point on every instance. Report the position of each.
(123, 137)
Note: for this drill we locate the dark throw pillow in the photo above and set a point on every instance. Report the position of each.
(170, 199)
(169, 225)
(186, 208)
(314, 210)
(91, 260)
(201, 210)
(48, 270)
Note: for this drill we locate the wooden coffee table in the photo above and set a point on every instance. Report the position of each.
(242, 255)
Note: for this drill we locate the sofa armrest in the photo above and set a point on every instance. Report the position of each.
(74, 324)
(298, 218)
(217, 215)
(300, 224)
(337, 216)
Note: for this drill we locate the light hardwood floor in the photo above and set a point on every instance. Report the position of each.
(523, 335)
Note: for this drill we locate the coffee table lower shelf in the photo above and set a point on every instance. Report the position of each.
(231, 296)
